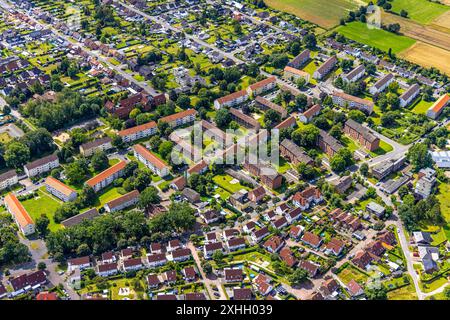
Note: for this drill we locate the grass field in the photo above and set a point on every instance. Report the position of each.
(404, 293)
(5, 137)
(422, 11)
(44, 203)
(324, 13)
(349, 273)
(224, 181)
(428, 56)
(108, 195)
(421, 107)
(377, 38)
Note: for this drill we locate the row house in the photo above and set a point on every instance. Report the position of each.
(41, 166)
(210, 248)
(361, 134)
(127, 200)
(20, 215)
(27, 282)
(138, 132)
(106, 177)
(79, 218)
(287, 123)
(60, 190)
(107, 269)
(151, 161)
(156, 260)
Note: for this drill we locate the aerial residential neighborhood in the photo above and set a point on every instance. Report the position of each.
(224, 150)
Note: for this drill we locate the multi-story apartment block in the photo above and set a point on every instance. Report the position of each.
(346, 100)
(262, 86)
(20, 215)
(180, 118)
(8, 179)
(125, 201)
(42, 165)
(138, 132)
(105, 178)
(362, 135)
(150, 160)
(89, 148)
(382, 84)
(232, 99)
(60, 190)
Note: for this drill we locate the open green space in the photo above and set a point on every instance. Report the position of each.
(378, 38)
(422, 11)
(226, 182)
(325, 13)
(43, 203)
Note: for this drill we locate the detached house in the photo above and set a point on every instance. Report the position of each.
(305, 198)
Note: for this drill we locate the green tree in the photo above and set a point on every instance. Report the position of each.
(298, 277)
(99, 161)
(42, 223)
(16, 155)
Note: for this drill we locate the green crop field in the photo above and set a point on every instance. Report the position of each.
(324, 13)
(377, 38)
(422, 11)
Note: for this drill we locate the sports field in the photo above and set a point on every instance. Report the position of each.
(324, 13)
(422, 11)
(377, 38)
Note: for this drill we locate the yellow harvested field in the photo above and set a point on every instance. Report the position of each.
(442, 22)
(428, 34)
(428, 56)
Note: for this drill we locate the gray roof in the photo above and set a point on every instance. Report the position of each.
(87, 215)
(365, 132)
(298, 152)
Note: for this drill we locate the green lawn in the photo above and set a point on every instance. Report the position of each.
(404, 293)
(351, 272)
(224, 181)
(383, 149)
(422, 11)
(43, 203)
(377, 38)
(111, 193)
(421, 107)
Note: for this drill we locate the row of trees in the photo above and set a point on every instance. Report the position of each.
(119, 230)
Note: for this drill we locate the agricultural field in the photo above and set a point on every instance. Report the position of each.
(428, 56)
(377, 38)
(422, 11)
(324, 13)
